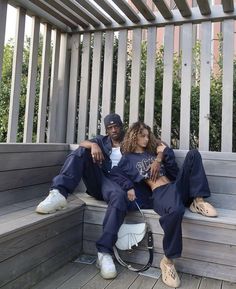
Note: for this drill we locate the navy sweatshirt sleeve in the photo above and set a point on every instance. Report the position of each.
(170, 164)
(125, 174)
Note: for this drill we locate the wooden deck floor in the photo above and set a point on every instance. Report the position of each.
(77, 275)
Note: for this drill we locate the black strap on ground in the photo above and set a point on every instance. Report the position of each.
(149, 263)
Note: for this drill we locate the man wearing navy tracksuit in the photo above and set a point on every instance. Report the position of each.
(92, 162)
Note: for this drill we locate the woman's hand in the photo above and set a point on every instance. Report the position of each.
(131, 195)
(96, 153)
(160, 148)
(154, 170)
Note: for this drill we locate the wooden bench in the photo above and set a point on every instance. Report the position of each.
(209, 244)
(32, 245)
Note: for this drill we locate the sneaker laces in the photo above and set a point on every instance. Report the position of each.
(107, 261)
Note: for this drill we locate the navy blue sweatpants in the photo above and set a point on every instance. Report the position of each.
(170, 201)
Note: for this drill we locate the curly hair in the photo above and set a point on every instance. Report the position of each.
(130, 140)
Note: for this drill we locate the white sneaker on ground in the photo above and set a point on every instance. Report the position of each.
(106, 265)
(54, 202)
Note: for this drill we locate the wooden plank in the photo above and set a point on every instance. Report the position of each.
(88, 5)
(204, 7)
(43, 95)
(81, 12)
(22, 194)
(163, 8)
(53, 12)
(17, 161)
(188, 282)
(63, 82)
(205, 85)
(227, 90)
(210, 284)
(27, 177)
(95, 85)
(84, 87)
(150, 77)
(67, 12)
(30, 258)
(53, 106)
(183, 8)
(228, 5)
(228, 285)
(186, 81)
(167, 84)
(144, 9)
(73, 88)
(3, 18)
(110, 10)
(16, 77)
(13, 147)
(60, 276)
(127, 10)
(107, 75)
(121, 73)
(31, 85)
(135, 76)
(143, 282)
(223, 200)
(38, 273)
(81, 278)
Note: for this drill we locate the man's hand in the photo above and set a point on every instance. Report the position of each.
(96, 153)
(131, 195)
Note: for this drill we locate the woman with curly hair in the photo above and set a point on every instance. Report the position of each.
(145, 159)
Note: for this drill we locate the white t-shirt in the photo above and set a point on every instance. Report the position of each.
(115, 156)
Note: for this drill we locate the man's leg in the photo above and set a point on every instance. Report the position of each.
(114, 217)
(76, 164)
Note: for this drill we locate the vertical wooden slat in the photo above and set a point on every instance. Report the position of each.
(95, 84)
(227, 94)
(150, 76)
(186, 79)
(73, 88)
(63, 80)
(53, 106)
(32, 75)
(205, 82)
(43, 95)
(16, 77)
(121, 73)
(135, 76)
(167, 84)
(107, 75)
(3, 18)
(84, 87)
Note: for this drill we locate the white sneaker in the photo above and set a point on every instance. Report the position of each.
(54, 202)
(106, 265)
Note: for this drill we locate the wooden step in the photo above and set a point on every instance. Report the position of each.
(33, 245)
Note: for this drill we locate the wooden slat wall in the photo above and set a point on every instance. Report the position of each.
(43, 96)
(186, 81)
(121, 73)
(135, 76)
(167, 84)
(16, 77)
(53, 105)
(84, 87)
(73, 88)
(95, 84)
(205, 78)
(31, 87)
(107, 75)
(150, 76)
(227, 94)
(3, 16)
